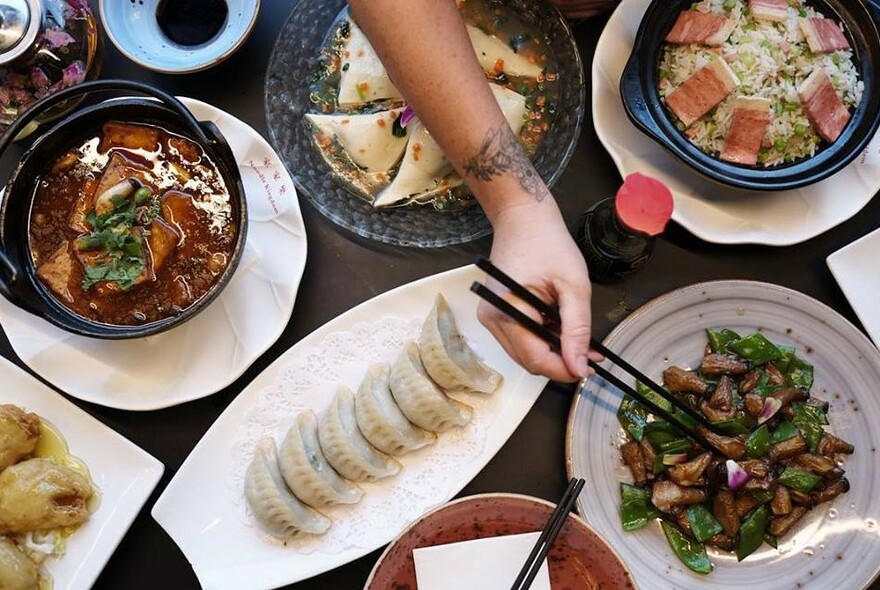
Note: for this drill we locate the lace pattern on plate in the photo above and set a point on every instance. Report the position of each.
(429, 475)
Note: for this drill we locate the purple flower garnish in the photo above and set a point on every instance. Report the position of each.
(73, 74)
(58, 38)
(39, 78)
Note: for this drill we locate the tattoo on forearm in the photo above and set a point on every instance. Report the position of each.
(502, 153)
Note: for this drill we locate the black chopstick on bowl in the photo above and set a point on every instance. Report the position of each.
(548, 535)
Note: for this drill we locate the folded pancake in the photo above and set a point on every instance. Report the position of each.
(769, 10)
(494, 55)
(823, 35)
(826, 112)
(425, 169)
(701, 92)
(363, 77)
(748, 124)
(701, 28)
(367, 139)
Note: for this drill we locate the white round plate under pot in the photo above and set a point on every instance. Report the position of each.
(124, 474)
(709, 210)
(837, 544)
(212, 350)
(132, 27)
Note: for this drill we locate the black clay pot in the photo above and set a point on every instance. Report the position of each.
(18, 280)
(640, 79)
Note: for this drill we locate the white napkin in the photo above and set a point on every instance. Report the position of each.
(488, 564)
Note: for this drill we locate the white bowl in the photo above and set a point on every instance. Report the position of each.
(132, 27)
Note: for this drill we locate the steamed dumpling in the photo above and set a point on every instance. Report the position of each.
(419, 398)
(380, 419)
(363, 77)
(345, 448)
(306, 471)
(425, 169)
(448, 359)
(277, 510)
(490, 49)
(367, 139)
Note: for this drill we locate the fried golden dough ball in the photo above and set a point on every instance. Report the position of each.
(17, 571)
(39, 494)
(19, 433)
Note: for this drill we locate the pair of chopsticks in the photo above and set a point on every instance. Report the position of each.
(548, 535)
(549, 332)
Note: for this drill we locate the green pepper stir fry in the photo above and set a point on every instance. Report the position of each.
(774, 460)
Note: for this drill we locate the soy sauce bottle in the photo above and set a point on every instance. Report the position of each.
(617, 235)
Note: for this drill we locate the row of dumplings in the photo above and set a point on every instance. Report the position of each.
(396, 410)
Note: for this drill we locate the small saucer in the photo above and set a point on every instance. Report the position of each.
(133, 29)
(211, 351)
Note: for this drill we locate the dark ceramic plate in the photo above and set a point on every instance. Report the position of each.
(291, 68)
(638, 89)
(580, 558)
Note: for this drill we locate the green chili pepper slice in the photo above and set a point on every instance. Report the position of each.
(703, 524)
(784, 431)
(718, 340)
(758, 443)
(751, 532)
(633, 417)
(755, 348)
(798, 479)
(636, 509)
(808, 422)
(691, 553)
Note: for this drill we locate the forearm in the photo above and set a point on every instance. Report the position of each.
(426, 50)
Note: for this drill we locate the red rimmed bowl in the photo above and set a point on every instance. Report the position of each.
(580, 558)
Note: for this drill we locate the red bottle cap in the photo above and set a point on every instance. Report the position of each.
(644, 204)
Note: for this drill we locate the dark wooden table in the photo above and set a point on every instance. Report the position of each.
(342, 272)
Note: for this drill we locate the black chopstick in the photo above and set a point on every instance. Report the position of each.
(551, 338)
(547, 333)
(549, 312)
(548, 535)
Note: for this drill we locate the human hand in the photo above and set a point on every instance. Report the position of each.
(532, 245)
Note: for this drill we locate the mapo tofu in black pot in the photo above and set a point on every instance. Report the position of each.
(132, 226)
(124, 220)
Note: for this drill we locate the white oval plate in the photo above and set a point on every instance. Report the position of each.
(709, 210)
(203, 507)
(246, 318)
(125, 475)
(836, 545)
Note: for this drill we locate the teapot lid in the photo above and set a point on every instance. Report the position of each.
(20, 21)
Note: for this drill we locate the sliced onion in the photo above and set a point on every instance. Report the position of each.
(771, 406)
(675, 458)
(406, 116)
(736, 475)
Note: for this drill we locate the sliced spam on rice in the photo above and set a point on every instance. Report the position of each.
(758, 82)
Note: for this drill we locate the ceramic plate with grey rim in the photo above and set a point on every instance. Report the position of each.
(836, 544)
